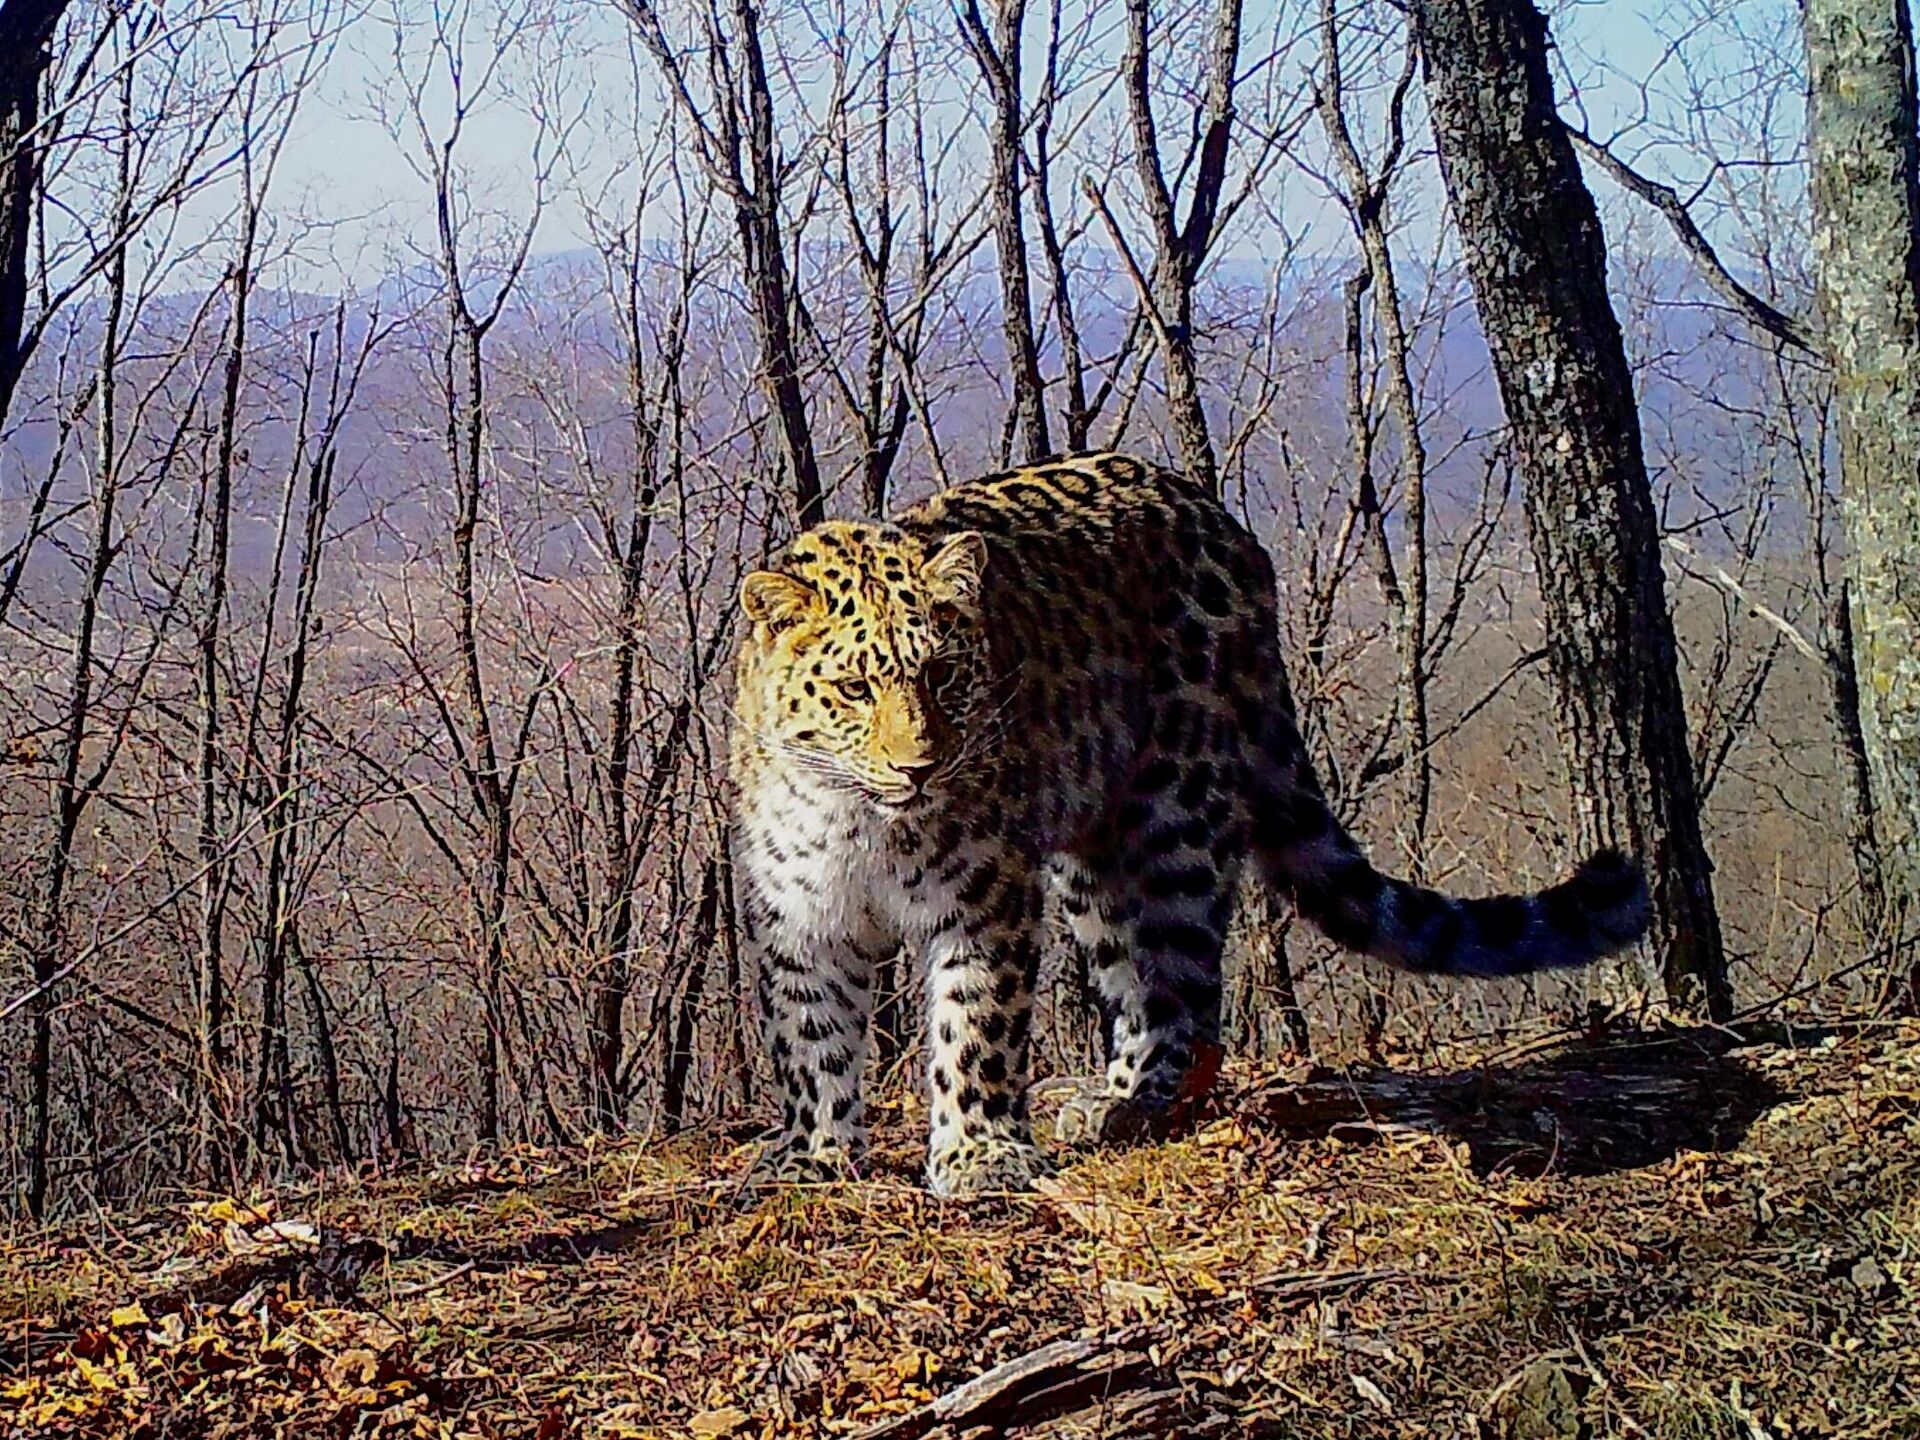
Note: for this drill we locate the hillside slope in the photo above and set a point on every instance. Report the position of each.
(1646, 1235)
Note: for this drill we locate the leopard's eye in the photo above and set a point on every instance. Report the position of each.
(855, 689)
(939, 672)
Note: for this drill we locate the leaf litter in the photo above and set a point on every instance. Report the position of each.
(1416, 1267)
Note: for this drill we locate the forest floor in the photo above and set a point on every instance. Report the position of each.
(1683, 1234)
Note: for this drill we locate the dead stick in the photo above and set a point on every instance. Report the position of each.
(1066, 1375)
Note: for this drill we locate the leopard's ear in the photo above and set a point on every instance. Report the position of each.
(954, 570)
(776, 600)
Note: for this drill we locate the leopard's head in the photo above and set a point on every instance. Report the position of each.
(866, 661)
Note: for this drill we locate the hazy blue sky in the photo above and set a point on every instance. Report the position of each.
(345, 166)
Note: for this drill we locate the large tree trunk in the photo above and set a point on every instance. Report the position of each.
(26, 38)
(1866, 202)
(1537, 258)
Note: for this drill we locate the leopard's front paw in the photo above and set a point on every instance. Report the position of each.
(985, 1165)
(801, 1160)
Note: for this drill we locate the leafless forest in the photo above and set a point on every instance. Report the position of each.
(367, 584)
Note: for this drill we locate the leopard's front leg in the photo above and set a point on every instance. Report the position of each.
(982, 956)
(815, 989)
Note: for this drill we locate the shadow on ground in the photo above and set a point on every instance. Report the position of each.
(1594, 1106)
(1591, 1107)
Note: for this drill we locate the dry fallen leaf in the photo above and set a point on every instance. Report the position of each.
(714, 1424)
(1372, 1394)
(1223, 1133)
(1139, 1298)
(231, 1211)
(352, 1368)
(910, 1364)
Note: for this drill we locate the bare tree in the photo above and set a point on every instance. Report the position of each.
(26, 53)
(903, 247)
(1363, 192)
(83, 762)
(658, 403)
(1866, 198)
(1077, 411)
(1364, 197)
(264, 117)
(878, 410)
(137, 117)
(489, 746)
(327, 389)
(1166, 292)
(734, 130)
(1715, 106)
(996, 52)
(1534, 248)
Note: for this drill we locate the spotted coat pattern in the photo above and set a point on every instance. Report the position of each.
(1069, 676)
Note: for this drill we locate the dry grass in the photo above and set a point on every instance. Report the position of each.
(1743, 1261)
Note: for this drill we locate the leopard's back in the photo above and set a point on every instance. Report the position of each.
(1125, 610)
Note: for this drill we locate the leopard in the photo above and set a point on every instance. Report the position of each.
(1063, 682)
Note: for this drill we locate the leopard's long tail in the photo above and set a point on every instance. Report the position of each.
(1598, 910)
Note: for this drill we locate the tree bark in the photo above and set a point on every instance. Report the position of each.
(677, 1031)
(1866, 203)
(26, 50)
(1537, 259)
(218, 1130)
(1843, 688)
(737, 140)
(1181, 249)
(465, 396)
(1076, 415)
(998, 56)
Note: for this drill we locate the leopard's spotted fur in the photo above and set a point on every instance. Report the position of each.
(1067, 674)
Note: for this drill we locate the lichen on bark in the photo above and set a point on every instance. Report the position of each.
(1865, 155)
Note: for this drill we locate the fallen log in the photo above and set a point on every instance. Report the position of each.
(1126, 1368)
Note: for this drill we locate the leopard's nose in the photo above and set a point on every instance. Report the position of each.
(919, 772)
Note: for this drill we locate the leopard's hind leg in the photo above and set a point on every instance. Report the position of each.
(1151, 911)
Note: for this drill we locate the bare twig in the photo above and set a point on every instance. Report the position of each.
(1733, 587)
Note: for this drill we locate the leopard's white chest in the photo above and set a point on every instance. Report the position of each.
(817, 855)
(833, 864)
